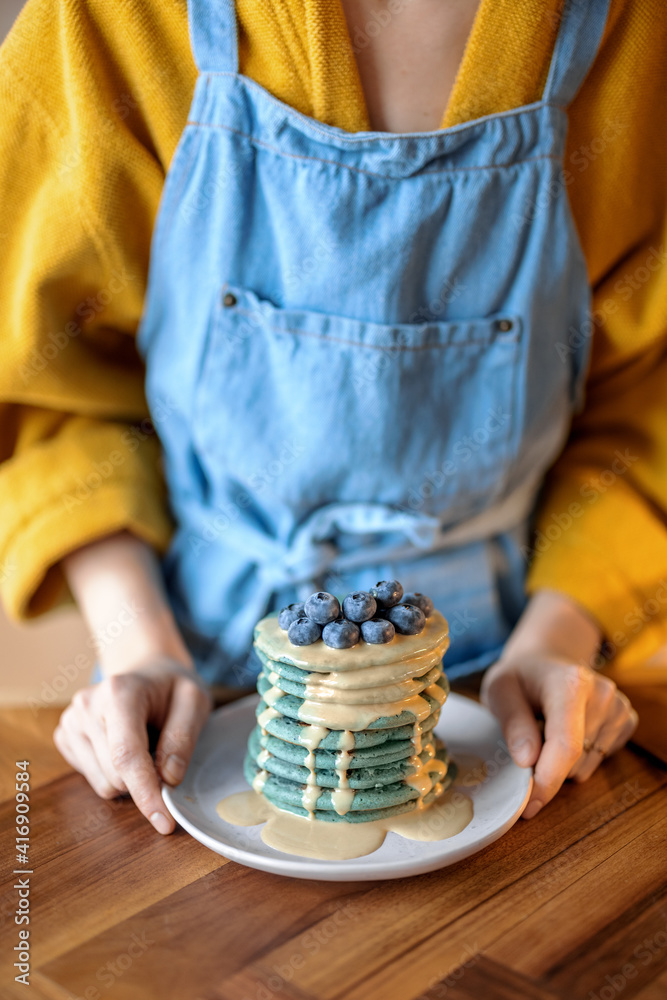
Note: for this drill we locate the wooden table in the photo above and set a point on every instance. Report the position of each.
(571, 904)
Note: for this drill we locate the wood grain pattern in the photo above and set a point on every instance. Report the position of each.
(28, 735)
(571, 905)
(482, 977)
(655, 990)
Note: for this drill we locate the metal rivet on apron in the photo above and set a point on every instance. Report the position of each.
(504, 325)
(229, 299)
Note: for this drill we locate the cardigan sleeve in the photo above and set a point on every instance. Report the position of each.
(92, 106)
(601, 528)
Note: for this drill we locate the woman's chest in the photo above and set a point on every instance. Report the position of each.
(408, 53)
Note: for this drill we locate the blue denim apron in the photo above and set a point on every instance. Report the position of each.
(359, 351)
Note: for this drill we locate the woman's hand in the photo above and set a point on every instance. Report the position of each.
(103, 732)
(545, 669)
(149, 678)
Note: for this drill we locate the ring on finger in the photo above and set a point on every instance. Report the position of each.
(590, 745)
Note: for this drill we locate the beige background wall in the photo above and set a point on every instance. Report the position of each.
(8, 11)
(39, 661)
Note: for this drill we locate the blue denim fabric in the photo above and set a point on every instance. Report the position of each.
(362, 351)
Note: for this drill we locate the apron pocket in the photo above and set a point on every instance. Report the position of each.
(295, 408)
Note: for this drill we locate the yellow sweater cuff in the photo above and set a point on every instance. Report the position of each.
(89, 481)
(602, 545)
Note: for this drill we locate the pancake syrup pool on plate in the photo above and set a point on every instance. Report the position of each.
(344, 748)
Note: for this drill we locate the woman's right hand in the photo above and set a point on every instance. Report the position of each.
(150, 677)
(103, 732)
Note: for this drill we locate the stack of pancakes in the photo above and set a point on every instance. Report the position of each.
(347, 734)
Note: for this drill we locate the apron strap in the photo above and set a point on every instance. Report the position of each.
(581, 28)
(213, 35)
(214, 40)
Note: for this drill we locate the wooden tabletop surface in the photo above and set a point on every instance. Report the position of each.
(571, 904)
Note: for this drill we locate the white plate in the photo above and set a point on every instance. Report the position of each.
(216, 770)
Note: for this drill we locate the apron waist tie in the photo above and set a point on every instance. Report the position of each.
(311, 553)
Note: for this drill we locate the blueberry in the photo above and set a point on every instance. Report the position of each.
(359, 606)
(290, 614)
(341, 634)
(322, 607)
(303, 631)
(419, 601)
(407, 619)
(387, 593)
(377, 630)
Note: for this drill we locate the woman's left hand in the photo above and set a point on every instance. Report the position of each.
(544, 668)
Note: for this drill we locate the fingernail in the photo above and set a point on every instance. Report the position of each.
(175, 767)
(532, 809)
(521, 751)
(160, 822)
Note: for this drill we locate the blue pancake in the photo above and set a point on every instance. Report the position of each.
(299, 689)
(273, 642)
(291, 730)
(359, 776)
(289, 671)
(368, 804)
(290, 705)
(386, 753)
